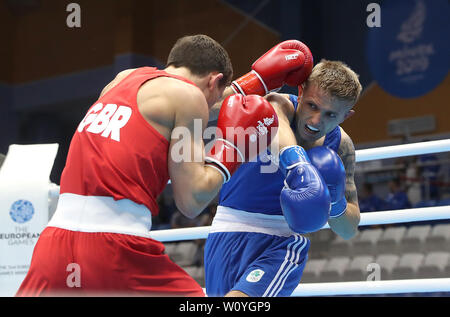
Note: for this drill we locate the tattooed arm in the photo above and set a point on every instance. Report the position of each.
(347, 225)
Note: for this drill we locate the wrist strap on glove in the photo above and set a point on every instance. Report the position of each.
(291, 156)
(338, 208)
(250, 84)
(225, 157)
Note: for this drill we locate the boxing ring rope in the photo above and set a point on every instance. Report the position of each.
(428, 285)
(402, 150)
(367, 219)
(375, 218)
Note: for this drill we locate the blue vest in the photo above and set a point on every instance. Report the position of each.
(253, 189)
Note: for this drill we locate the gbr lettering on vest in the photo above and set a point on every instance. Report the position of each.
(106, 119)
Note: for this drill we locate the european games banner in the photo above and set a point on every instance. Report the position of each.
(408, 54)
(24, 201)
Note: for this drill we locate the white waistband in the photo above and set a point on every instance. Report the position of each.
(233, 220)
(101, 214)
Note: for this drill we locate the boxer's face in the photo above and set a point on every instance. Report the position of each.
(318, 113)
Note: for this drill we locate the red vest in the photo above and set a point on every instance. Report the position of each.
(115, 152)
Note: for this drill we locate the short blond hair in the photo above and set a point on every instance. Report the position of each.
(337, 79)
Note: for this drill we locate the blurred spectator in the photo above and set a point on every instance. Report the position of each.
(413, 190)
(429, 170)
(397, 198)
(369, 200)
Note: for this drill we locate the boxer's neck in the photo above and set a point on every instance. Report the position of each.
(185, 73)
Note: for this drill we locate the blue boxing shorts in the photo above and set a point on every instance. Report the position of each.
(256, 254)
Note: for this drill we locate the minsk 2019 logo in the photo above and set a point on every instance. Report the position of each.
(408, 53)
(21, 211)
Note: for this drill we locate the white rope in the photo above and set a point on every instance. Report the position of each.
(374, 287)
(169, 235)
(386, 152)
(403, 215)
(367, 219)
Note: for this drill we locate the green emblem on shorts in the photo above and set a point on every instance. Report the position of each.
(254, 276)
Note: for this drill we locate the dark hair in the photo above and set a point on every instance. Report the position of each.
(201, 55)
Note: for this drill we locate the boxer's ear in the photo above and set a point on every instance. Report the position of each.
(214, 80)
(349, 114)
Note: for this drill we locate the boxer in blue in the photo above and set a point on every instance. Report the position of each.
(256, 245)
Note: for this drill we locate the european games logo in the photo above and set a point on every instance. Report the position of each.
(408, 54)
(21, 211)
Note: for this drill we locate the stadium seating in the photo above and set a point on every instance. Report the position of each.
(339, 246)
(414, 239)
(367, 241)
(313, 269)
(408, 266)
(389, 241)
(434, 265)
(439, 238)
(387, 263)
(334, 269)
(357, 270)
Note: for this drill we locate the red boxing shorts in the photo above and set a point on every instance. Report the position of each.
(82, 262)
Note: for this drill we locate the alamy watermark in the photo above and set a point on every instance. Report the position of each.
(73, 19)
(73, 279)
(375, 272)
(374, 18)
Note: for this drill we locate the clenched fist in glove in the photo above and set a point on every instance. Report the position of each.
(289, 62)
(247, 125)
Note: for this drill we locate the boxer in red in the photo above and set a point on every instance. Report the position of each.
(121, 158)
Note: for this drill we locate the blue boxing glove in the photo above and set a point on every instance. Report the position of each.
(330, 166)
(305, 199)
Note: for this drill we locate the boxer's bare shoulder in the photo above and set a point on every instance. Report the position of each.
(117, 80)
(282, 105)
(285, 112)
(164, 100)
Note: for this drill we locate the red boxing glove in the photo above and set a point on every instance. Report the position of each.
(245, 127)
(289, 62)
